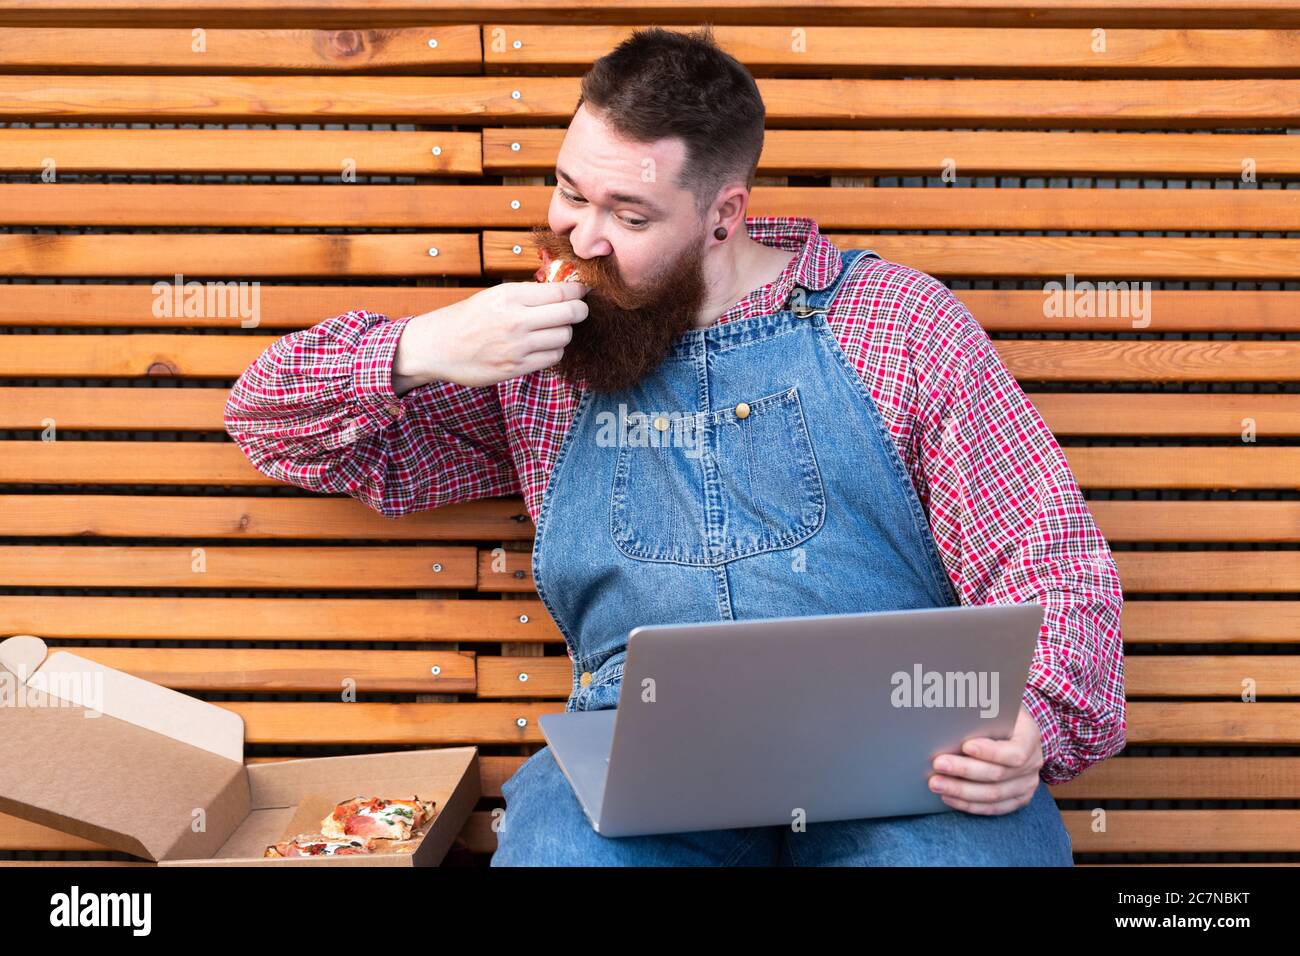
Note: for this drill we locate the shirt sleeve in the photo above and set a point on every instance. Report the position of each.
(1013, 527)
(317, 409)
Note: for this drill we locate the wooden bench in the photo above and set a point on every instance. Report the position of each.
(143, 538)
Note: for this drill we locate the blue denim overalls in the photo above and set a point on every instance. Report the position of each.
(750, 476)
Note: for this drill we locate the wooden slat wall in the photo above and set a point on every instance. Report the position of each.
(435, 615)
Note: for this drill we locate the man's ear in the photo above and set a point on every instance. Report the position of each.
(729, 208)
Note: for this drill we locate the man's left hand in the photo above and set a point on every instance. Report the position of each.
(990, 776)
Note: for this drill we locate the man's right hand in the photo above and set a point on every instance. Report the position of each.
(500, 332)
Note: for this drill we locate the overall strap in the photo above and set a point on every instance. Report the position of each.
(805, 302)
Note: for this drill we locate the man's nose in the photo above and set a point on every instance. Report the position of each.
(587, 244)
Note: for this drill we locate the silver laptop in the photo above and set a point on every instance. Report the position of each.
(734, 724)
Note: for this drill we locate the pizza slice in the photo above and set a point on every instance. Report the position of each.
(377, 818)
(318, 844)
(556, 269)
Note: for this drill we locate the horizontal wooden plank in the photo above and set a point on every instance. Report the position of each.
(518, 620)
(199, 618)
(505, 519)
(278, 670)
(876, 51)
(299, 306)
(1228, 469)
(518, 207)
(230, 257)
(146, 354)
(163, 463)
(1180, 864)
(1172, 676)
(180, 409)
(108, 516)
(465, 100)
(1204, 521)
(456, 49)
(1126, 360)
(505, 676)
(365, 722)
(1048, 360)
(204, 463)
(1105, 258)
(1222, 675)
(1212, 622)
(329, 152)
(1211, 723)
(1133, 414)
(353, 567)
(1103, 414)
(333, 13)
(1203, 723)
(1186, 778)
(1241, 571)
(1140, 571)
(533, 151)
(1018, 104)
(1185, 831)
(285, 307)
(825, 152)
(790, 103)
(1200, 310)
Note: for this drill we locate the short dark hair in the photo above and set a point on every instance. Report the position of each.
(662, 83)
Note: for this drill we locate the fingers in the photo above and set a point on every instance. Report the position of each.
(1015, 752)
(986, 809)
(547, 293)
(539, 360)
(546, 340)
(955, 765)
(556, 314)
(985, 797)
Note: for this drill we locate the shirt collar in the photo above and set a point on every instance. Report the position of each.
(815, 266)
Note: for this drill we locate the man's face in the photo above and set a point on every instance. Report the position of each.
(637, 242)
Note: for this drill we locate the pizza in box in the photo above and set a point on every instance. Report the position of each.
(363, 825)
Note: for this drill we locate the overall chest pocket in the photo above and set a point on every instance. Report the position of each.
(720, 485)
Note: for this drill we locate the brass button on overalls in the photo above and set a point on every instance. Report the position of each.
(742, 410)
(585, 679)
(661, 423)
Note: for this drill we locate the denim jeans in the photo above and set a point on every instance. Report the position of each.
(544, 825)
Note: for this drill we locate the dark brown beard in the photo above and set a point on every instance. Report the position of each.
(628, 331)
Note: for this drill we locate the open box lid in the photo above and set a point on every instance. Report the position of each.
(107, 756)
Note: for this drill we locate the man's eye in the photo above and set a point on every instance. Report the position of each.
(635, 223)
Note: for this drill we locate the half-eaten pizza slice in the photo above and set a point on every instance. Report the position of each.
(377, 818)
(556, 269)
(318, 844)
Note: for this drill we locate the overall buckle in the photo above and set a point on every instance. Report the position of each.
(798, 302)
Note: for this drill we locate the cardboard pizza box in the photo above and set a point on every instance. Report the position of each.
(104, 755)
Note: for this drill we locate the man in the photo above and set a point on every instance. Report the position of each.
(811, 431)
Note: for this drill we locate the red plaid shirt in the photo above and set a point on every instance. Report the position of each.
(317, 410)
